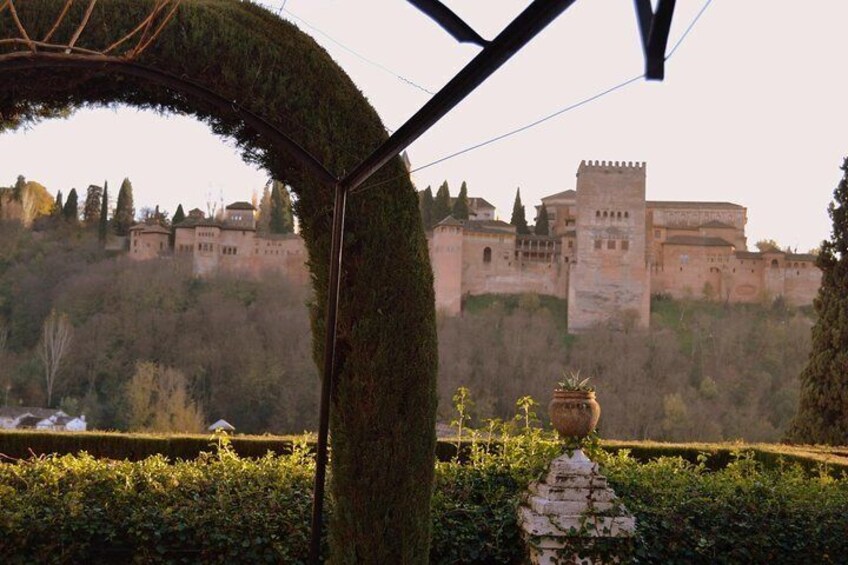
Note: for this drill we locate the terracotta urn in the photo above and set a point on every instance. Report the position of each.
(574, 413)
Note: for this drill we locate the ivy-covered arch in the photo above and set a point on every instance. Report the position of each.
(383, 405)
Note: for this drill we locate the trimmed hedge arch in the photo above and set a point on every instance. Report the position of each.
(383, 406)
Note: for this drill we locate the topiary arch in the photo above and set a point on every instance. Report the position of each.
(383, 405)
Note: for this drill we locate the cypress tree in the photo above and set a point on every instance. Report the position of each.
(542, 227)
(823, 408)
(91, 208)
(70, 212)
(124, 215)
(281, 209)
(18, 190)
(263, 224)
(425, 204)
(460, 207)
(179, 215)
(103, 220)
(441, 204)
(519, 219)
(58, 205)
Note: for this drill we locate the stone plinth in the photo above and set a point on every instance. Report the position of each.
(565, 515)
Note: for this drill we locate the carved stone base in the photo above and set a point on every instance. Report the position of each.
(573, 516)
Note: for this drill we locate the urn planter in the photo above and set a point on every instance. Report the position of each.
(574, 413)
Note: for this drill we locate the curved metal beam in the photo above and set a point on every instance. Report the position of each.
(30, 61)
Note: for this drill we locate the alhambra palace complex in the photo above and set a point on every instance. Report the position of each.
(608, 251)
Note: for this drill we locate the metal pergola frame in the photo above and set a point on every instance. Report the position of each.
(654, 29)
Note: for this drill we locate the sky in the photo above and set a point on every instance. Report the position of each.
(751, 111)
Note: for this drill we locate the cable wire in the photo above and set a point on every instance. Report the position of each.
(544, 119)
(357, 54)
(688, 29)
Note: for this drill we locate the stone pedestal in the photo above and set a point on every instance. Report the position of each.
(572, 515)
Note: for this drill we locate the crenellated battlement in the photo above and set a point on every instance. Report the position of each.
(613, 166)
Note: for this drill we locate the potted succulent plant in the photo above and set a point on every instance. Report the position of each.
(573, 410)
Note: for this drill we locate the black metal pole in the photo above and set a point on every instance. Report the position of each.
(515, 36)
(329, 370)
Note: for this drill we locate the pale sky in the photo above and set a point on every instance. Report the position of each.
(751, 111)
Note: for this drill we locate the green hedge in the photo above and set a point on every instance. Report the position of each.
(16, 444)
(137, 446)
(224, 508)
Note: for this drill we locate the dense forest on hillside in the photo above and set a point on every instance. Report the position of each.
(155, 348)
(145, 333)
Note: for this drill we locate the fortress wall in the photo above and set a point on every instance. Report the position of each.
(609, 279)
(695, 216)
(802, 283)
(688, 270)
(747, 280)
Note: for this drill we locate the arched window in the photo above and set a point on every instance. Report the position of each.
(487, 255)
(605, 213)
(597, 213)
(626, 214)
(618, 215)
(774, 263)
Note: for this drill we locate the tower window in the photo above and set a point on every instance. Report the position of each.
(487, 255)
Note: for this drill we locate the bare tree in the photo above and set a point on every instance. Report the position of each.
(29, 205)
(56, 336)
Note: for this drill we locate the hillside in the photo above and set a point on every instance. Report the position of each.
(241, 350)
(703, 372)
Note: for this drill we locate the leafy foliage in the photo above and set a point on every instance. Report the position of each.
(221, 507)
(823, 411)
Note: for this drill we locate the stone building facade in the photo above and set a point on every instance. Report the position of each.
(230, 244)
(610, 249)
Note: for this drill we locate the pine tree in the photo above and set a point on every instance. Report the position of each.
(823, 408)
(58, 205)
(281, 209)
(460, 207)
(426, 206)
(91, 208)
(103, 220)
(18, 190)
(542, 227)
(441, 204)
(124, 215)
(519, 219)
(70, 212)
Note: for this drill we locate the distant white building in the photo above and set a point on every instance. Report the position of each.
(47, 419)
(222, 425)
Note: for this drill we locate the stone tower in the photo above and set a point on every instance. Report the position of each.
(609, 280)
(446, 258)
